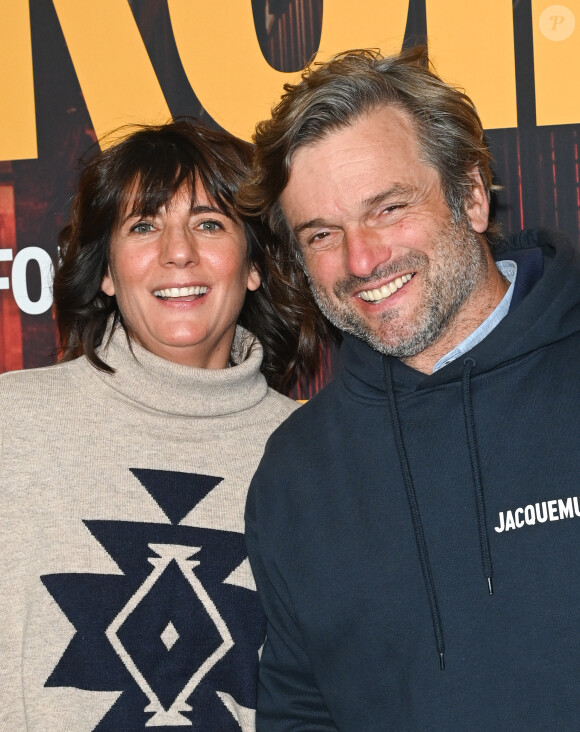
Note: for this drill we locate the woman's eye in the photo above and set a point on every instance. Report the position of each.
(210, 225)
(143, 227)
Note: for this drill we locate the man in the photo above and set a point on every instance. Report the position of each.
(414, 528)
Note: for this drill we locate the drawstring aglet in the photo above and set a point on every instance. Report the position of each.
(490, 586)
(441, 661)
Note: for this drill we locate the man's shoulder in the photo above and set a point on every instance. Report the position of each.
(301, 435)
(304, 420)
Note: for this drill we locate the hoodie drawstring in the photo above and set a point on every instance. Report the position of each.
(468, 364)
(415, 517)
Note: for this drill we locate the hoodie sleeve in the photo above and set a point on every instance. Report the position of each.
(288, 696)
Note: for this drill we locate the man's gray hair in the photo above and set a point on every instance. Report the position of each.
(333, 95)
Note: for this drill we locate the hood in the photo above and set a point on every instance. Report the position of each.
(548, 313)
(545, 310)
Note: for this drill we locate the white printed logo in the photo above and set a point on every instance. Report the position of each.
(561, 508)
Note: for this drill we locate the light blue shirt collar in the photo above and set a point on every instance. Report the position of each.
(509, 270)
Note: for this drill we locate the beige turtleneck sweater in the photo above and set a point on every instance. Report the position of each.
(127, 597)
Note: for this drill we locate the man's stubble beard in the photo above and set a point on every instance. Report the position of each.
(449, 278)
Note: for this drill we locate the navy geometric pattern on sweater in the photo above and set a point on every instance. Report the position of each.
(172, 615)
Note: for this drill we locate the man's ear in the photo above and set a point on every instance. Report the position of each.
(107, 285)
(477, 207)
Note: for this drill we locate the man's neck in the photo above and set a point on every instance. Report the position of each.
(477, 308)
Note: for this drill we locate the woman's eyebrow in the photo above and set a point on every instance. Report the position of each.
(201, 209)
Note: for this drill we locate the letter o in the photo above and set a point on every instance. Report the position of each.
(19, 286)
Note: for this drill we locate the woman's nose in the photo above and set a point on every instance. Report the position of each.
(179, 247)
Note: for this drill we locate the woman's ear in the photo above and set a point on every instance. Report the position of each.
(477, 208)
(107, 285)
(254, 278)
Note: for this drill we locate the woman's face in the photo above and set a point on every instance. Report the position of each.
(180, 278)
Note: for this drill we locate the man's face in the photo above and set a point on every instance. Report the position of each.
(385, 260)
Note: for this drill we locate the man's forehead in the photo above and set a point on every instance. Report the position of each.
(382, 132)
(362, 164)
(393, 113)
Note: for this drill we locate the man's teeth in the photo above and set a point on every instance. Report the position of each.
(181, 291)
(386, 290)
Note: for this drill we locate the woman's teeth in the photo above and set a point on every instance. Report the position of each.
(386, 290)
(181, 291)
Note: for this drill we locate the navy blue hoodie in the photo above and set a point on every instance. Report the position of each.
(386, 509)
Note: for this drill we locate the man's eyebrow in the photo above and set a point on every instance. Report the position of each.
(397, 190)
(312, 224)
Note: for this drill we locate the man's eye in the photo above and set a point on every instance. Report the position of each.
(143, 227)
(211, 225)
(319, 237)
(392, 207)
(321, 240)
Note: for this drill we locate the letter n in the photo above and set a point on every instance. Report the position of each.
(221, 56)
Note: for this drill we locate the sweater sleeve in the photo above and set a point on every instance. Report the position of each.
(288, 695)
(12, 605)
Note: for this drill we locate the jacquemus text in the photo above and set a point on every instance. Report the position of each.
(561, 508)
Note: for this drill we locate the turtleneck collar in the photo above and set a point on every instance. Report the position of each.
(169, 388)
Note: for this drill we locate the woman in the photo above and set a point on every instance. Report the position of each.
(128, 600)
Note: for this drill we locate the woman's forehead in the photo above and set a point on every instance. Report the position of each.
(141, 199)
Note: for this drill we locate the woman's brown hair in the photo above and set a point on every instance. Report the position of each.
(148, 167)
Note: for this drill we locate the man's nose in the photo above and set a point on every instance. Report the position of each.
(365, 250)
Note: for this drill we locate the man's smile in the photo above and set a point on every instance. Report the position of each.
(381, 293)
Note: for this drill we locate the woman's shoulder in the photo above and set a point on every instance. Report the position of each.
(280, 406)
(36, 385)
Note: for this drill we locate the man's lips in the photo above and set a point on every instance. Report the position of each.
(381, 293)
(171, 292)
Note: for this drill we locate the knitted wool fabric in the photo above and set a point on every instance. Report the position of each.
(127, 597)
